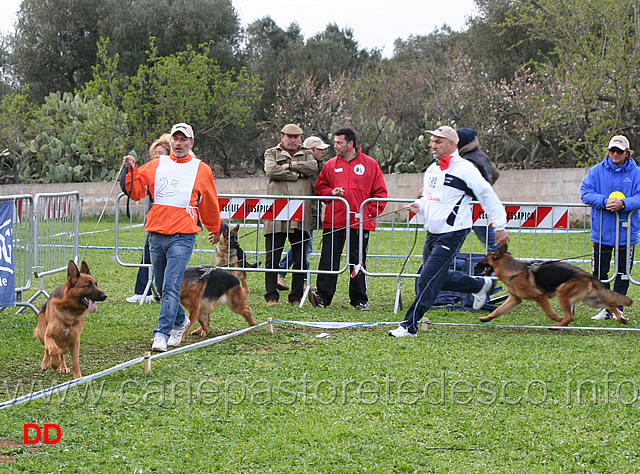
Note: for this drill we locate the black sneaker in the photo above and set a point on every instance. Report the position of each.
(362, 307)
(315, 300)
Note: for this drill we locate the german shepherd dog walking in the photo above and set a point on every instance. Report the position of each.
(542, 280)
(203, 288)
(229, 254)
(61, 319)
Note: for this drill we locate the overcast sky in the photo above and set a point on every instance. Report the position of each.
(375, 23)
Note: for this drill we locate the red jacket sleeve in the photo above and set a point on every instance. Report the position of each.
(378, 190)
(323, 187)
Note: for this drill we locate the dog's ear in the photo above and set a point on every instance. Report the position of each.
(72, 273)
(236, 228)
(499, 253)
(84, 268)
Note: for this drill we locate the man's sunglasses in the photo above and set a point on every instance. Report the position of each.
(616, 151)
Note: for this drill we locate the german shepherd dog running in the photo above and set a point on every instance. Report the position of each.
(61, 319)
(203, 288)
(229, 254)
(540, 281)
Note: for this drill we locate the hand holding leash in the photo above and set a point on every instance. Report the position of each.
(213, 238)
(502, 237)
(129, 161)
(413, 208)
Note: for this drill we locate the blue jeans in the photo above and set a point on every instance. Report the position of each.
(487, 236)
(438, 253)
(143, 272)
(170, 255)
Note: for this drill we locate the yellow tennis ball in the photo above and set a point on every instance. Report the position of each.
(617, 195)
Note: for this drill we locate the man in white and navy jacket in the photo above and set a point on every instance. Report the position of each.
(450, 184)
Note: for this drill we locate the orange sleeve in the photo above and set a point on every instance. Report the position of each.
(208, 208)
(143, 178)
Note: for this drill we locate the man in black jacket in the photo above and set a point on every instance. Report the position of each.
(469, 149)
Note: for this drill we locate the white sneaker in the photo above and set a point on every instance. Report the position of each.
(149, 299)
(480, 298)
(159, 342)
(133, 299)
(401, 332)
(175, 336)
(604, 313)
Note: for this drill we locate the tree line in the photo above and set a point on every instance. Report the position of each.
(83, 82)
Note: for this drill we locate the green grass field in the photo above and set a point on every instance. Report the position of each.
(455, 399)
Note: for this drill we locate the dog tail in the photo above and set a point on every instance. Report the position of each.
(614, 298)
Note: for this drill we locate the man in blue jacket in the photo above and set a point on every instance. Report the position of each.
(613, 187)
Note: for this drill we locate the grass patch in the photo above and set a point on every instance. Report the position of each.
(455, 399)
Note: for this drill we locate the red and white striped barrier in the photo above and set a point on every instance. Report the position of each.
(527, 216)
(261, 209)
(539, 217)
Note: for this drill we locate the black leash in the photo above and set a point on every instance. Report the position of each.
(103, 211)
(129, 194)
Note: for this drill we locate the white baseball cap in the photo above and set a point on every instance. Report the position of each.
(619, 141)
(445, 132)
(184, 128)
(315, 142)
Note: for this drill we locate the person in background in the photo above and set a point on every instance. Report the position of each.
(184, 198)
(158, 148)
(289, 168)
(469, 149)
(318, 150)
(356, 177)
(450, 184)
(612, 188)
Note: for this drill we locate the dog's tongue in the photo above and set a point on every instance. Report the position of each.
(92, 306)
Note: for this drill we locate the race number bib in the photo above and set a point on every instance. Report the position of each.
(434, 184)
(174, 182)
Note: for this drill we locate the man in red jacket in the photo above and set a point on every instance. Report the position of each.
(355, 177)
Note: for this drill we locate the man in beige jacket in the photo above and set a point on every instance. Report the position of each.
(288, 167)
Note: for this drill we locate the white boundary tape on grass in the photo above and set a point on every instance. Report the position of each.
(332, 325)
(82, 380)
(206, 342)
(511, 326)
(67, 385)
(316, 324)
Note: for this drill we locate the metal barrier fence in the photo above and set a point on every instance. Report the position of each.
(249, 212)
(22, 243)
(538, 231)
(46, 233)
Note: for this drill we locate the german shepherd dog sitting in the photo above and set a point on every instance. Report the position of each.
(229, 254)
(61, 319)
(203, 288)
(540, 281)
